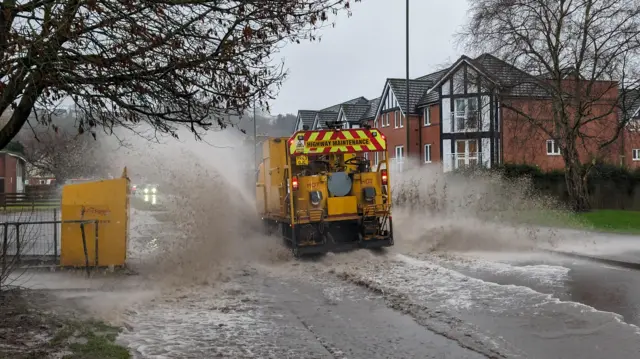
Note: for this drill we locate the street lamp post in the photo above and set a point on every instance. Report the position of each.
(406, 115)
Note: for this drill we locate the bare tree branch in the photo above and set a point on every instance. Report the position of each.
(583, 54)
(167, 63)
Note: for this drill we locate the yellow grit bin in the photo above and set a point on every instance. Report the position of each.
(106, 201)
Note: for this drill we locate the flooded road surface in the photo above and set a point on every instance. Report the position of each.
(363, 304)
(261, 316)
(603, 287)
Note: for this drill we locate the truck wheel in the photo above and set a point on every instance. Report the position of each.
(296, 252)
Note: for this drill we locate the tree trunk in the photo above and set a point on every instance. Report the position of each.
(576, 180)
(21, 112)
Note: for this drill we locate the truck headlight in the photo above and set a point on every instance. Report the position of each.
(146, 190)
(153, 190)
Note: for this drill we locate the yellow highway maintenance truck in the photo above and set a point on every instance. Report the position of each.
(319, 190)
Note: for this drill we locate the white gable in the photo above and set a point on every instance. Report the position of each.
(390, 101)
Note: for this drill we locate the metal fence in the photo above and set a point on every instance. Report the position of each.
(33, 200)
(34, 238)
(31, 234)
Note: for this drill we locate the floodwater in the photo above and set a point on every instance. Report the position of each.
(366, 305)
(603, 287)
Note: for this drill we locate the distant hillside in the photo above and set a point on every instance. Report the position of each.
(273, 126)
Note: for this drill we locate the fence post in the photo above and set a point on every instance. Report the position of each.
(96, 244)
(5, 244)
(84, 246)
(55, 233)
(17, 242)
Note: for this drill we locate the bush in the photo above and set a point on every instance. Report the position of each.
(15, 147)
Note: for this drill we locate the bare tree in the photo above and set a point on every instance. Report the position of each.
(63, 154)
(168, 63)
(583, 53)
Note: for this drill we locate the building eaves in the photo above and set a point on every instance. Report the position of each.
(307, 117)
(355, 101)
(373, 106)
(355, 113)
(417, 88)
(324, 117)
(512, 80)
(433, 96)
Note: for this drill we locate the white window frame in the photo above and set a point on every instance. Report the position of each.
(427, 116)
(375, 123)
(464, 114)
(635, 154)
(387, 121)
(555, 149)
(427, 153)
(401, 152)
(398, 120)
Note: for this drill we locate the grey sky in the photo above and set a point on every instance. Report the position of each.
(354, 58)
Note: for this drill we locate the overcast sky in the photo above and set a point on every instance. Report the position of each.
(354, 58)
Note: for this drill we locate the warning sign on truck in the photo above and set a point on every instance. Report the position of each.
(343, 141)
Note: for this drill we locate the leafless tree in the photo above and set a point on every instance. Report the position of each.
(167, 63)
(583, 53)
(63, 154)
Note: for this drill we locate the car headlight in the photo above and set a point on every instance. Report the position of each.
(146, 190)
(153, 190)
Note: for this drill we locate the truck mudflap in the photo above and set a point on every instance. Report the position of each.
(342, 247)
(371, 242)
(319, 238)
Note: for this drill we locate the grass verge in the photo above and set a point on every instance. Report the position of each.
(29, 332)
(28, 208)
(610, 221)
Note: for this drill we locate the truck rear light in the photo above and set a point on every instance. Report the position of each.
(294, 183)
(385, 178)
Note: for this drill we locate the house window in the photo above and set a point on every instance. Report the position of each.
(398, 121)
(636, 154)
(466, 114)
(399, 153)
(552, 148)
(427, 153)
(386, 120)
(427, 116)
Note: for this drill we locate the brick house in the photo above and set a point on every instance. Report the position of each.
(350, 113)
(470, 114)
(12, 172)
(630, 138)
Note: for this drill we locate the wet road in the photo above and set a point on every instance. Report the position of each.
(603, 287)
(401, 304)
(262, 316)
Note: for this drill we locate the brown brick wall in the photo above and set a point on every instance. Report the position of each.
(431, 134)
(523, 142)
